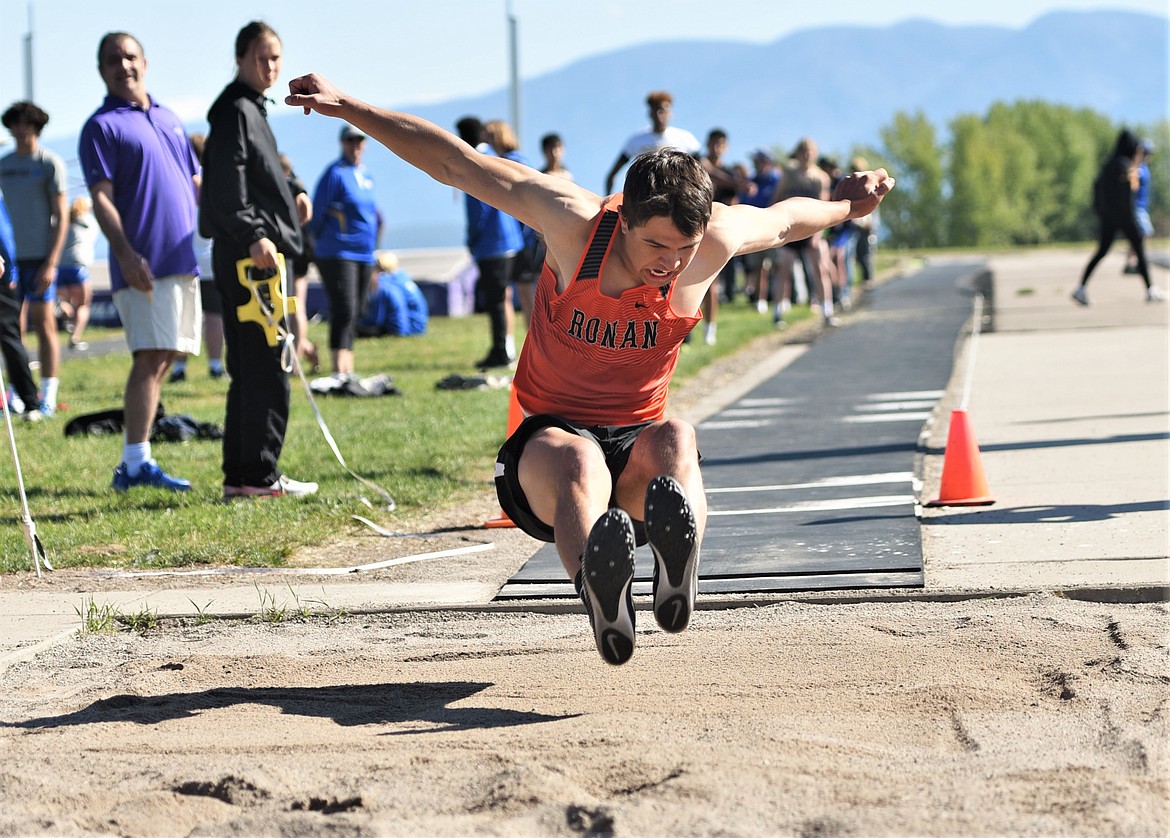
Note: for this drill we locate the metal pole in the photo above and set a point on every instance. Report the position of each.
(28, 57)
(514, 67)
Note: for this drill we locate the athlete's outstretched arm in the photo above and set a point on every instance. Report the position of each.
(793, 219)
(518, 190)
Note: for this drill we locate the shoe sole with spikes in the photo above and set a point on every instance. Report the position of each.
(607, 585)
(672, 534)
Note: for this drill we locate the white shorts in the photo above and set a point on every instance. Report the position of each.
(169, 318)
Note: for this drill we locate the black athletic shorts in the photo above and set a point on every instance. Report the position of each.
(615, 441)
(209, 296)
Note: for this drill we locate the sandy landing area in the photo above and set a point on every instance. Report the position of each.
(1027, 715)
(1024, 715)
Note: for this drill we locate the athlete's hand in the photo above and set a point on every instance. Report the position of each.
(314, 93)
(864, 191)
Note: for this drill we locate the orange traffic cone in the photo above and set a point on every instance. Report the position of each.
(963, 481)
(515, 417)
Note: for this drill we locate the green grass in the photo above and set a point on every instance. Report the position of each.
(429, 448)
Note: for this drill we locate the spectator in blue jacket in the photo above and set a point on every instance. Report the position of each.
(495, 241)
(345, 229)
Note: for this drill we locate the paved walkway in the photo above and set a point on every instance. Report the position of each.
(1070, 407)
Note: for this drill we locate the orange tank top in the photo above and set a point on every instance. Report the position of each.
(596, 359)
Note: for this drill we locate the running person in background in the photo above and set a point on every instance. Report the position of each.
(595, 467)
(1113, 201)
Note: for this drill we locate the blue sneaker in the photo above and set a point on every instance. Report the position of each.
(46, 409)
(149, 475)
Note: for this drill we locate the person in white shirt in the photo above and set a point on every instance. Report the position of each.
(660, 135)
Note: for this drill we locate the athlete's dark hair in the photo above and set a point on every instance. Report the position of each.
(670, 183)
(250, 33)
(25, 112)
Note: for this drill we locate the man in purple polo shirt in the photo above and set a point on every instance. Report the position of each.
(144, 177)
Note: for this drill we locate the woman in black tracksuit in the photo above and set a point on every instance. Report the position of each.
(247, 209)
(1113, 194)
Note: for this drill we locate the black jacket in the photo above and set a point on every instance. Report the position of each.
(245, 195)
(1113, 194)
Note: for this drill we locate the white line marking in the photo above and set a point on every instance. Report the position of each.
(911, 394)
(733, 424)
(776, 402)
(889, 417)
(821, 506)
(826, 482)
(752, 411)
(309, 571)
(881, 406)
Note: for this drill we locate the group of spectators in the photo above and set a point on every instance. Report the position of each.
(195, 225)
(768, 276)
(227, 209)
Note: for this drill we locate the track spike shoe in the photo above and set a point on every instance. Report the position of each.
(673, 536)
(606, 585)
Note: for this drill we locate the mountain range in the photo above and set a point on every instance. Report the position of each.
(840, 85)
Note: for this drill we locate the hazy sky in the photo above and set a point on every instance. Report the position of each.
(397, 53)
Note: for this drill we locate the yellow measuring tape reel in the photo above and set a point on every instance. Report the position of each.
(269, 302)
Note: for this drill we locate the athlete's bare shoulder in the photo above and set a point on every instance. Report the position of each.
(569, 221)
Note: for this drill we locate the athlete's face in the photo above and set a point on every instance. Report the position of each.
(657, 252)
(260, 65)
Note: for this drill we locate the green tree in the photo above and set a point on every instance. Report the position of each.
(912, 215)
(1020, 174)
